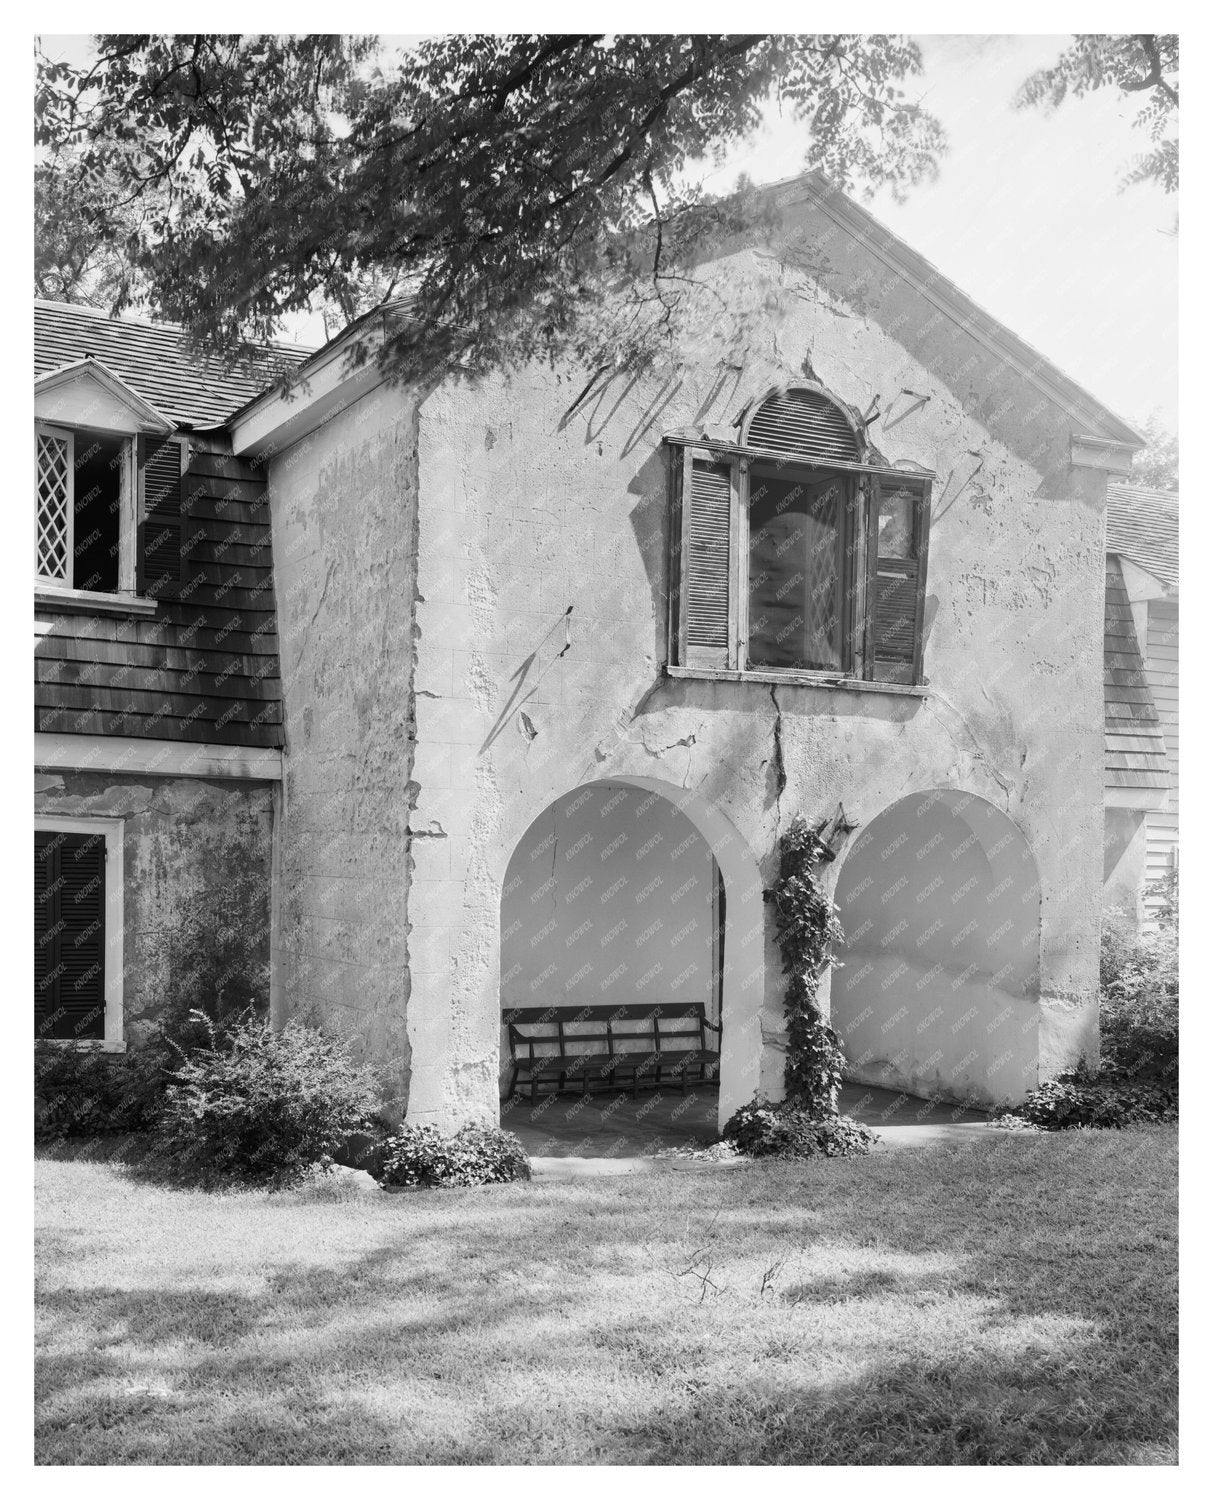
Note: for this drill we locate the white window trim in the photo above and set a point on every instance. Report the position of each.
(65, 435)
(125, 599)
(112, 828)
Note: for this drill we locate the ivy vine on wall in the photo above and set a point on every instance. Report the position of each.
(808, 929)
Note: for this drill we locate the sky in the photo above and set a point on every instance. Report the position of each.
(1026, 216)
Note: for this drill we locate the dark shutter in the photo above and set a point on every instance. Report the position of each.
(69, 936)
(707, 519)
(897, 575)
(160, 516)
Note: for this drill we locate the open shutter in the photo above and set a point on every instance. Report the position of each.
(897, 576)
(69, 936)
(704, 556)
(160, 516)
(54, 504)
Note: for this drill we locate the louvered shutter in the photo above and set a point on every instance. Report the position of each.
(897, 555)
(160, 516)
(804, 422)
(707, 516)
(69, 936)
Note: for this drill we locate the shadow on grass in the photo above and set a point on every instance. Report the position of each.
(979, 1309)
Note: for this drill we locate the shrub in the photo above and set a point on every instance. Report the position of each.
(86, 1092)
(1101, 1100)
(422, 1156)
(790, 1131)
(1139, 1005)
(1137, 1081)
(263, 1105)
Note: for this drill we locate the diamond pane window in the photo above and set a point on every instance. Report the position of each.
(54, 504)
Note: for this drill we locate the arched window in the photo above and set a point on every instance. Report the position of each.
(804, 420)
(798, 552)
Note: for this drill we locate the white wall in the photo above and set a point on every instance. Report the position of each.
(940, 904)
(608, 897)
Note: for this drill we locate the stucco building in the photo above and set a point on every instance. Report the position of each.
(541, 670)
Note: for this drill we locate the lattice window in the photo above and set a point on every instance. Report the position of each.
(54, 501)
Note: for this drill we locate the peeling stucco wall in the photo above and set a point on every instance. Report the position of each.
(343, 510)
(189, 846)
(541, 623)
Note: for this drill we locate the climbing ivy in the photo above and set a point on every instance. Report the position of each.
(807, 929)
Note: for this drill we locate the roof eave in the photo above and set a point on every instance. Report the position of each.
(318, 389)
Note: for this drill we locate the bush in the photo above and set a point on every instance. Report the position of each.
(1100, 1100)
(1137, 1081)
(263, 1105)
(1139, 1004)
(786, 1130)
(86, 1092)
(422, 1156)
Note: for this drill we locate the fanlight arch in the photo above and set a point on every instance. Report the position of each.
(805, 420)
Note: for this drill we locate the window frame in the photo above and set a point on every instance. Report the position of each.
(127, 599)
(66, 435)
(112, 829)
(857, 539)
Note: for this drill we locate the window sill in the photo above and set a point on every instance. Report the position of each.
(88, 602)
(802, 679)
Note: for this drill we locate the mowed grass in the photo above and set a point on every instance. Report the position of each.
(1008, 1301)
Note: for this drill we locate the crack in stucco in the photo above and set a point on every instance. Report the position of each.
(777, 761)
(328, 576)
(977, 749)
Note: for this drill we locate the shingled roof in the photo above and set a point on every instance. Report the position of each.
(1135, 754)
(1143, 525)
(193, 390)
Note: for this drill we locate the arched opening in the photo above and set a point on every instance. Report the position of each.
(940, 904)
(625, 898)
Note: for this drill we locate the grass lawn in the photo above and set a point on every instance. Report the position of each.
(1009, 1301)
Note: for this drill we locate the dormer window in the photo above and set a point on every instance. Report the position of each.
(107, 491)
(797, 552)
(80, 479)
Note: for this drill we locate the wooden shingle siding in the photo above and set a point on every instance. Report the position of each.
(1134, 752)
(1162, 673)
(206, 668)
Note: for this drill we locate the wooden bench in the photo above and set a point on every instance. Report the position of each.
(620, 1045)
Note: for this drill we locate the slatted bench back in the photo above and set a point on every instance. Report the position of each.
(566, 1030)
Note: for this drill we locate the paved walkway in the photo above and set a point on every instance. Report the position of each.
(567, 1136)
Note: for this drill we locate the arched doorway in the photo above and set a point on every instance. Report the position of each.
(631, 891)
(939, 995)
